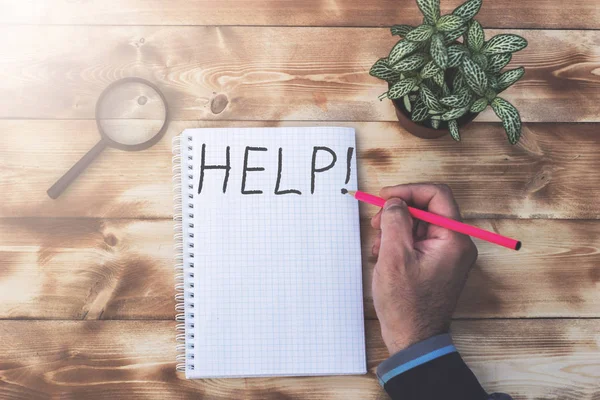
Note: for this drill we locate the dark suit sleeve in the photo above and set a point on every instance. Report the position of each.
(431, 370)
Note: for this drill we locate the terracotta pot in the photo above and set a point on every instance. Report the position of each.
(426, 131)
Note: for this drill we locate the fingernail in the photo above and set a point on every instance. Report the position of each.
(394, 202)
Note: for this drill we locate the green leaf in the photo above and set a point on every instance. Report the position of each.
(490, 95)
(511, 120)
(430, 69)
(407, 104)
(505, 43)
(450, 37)
(453, 128)
(430, 10)
(480, 60)
(419, 112)
(475, 36)
(401, 30)
(498, 61)
(411, 63)
(493, 81)
(454, 113)
(449, 23)
(458, 100)
(458, 82)
(382, 70)
(402, 88)
(479, 105)
(401, 50)
(455, 55)
(446, 90)
(429, 99)
(438, 51)
(420, 33)
(474, 76)
(435, 123)
(439, 79)
(510, 77)
(468, 9)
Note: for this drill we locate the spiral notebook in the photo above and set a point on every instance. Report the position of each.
(268, 265)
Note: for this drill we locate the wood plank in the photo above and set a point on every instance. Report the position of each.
(123, 269)
(302, 74)
(549, 359)
(551, 173)
(577, 14)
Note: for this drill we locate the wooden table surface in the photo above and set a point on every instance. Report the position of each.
(86, 281)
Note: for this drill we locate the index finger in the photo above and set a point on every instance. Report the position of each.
(437, 199)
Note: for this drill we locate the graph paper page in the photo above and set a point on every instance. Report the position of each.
(277, 277)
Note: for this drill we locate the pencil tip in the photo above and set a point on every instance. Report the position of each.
(344, 191)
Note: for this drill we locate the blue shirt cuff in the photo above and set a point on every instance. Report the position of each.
(415, 355)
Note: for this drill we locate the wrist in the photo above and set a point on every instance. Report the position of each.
(401, 340)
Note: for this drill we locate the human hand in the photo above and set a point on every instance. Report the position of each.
(421, 269)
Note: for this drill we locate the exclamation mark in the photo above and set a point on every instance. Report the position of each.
(349, 164)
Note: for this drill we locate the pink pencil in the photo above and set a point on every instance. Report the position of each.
(443, 222)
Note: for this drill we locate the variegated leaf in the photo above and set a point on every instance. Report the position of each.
(505, 43)
(455, 113)
(401, 30)
(468, 9)
(439, 79)
(420, 33)
(474, 76)
(490, 95)
(382, 70)
(430, 69)
(458, 100)
(449, 23)
(479, 105)
(419, 112)
(438, 51)
(435, 123)
(511, 120)
(458, 82)
(402, 88)
(453, 128)
(510, 77)
(411, 63)
(446, 90)
(498, 61)
(402, 49)
(475, 36)
(480, 60)
(455, 54)
(430, 100)
(450, 37)
(493, 82)
(430, 10)
(407, 104)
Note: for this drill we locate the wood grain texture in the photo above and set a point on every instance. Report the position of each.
(523, 14)
(551, 173)
(549, 359)
(85, 268)
(264, 73)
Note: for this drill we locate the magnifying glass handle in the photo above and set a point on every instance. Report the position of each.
(64, 182)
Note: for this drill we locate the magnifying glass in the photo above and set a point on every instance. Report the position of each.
(131, 115)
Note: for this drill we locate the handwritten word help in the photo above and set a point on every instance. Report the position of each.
(323, 159)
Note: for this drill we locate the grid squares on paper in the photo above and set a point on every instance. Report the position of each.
(278, 279)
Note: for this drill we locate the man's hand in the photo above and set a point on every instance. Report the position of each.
(421, 268)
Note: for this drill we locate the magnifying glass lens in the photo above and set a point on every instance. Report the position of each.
(131, 113)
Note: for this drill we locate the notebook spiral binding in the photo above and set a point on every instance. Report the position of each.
(184, 296)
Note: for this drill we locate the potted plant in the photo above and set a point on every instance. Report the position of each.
(442, 73)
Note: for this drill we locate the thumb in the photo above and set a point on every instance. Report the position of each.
(396, 228)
